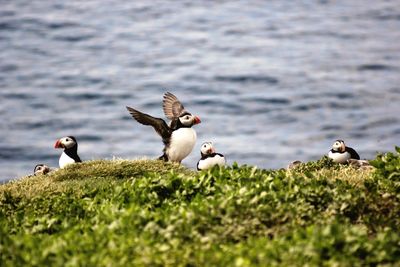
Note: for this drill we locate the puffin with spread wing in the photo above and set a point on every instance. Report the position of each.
(178, 137)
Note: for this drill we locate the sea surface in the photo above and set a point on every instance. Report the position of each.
(272, 81)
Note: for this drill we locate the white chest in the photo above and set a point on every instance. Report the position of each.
(209, 162)
(181, 144)
(65, 160)
(339, 157)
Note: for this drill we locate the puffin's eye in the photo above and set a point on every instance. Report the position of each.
(186, 117)
(67, 139)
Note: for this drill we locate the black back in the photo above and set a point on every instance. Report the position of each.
(205, 156)
(353, 153)
(72, 152)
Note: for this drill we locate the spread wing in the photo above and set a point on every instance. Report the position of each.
(158, 124)
(172, 106)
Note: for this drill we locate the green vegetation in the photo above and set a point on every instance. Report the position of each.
(149, 213)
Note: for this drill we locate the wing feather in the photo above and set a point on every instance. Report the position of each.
(172, 107)
(159, 125)
(353, 153)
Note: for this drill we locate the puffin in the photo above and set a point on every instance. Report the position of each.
(209, 157)
(178, 136)
(293, 165)
(41, 169)
(340, 153)
(70, 153)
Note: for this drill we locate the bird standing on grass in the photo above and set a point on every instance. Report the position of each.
(209, 157)
(70, 153)
(340, 153)
(178, 137)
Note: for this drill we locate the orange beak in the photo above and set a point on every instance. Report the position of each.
(196, 120)
(211, 150)
(58, 144)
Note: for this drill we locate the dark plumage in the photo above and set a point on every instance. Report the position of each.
(353, 153)
(178, 137)
(159, 125)
(172, 107)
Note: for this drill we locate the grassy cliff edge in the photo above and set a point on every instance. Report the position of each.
(145, 212)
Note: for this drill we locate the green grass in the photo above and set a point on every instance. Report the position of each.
(150, 213)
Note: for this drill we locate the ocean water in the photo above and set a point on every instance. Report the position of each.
(272, 81)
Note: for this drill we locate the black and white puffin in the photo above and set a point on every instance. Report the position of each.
(70, 153)
(178, 137)
(340, 153)
(209, 157)
(41, 169)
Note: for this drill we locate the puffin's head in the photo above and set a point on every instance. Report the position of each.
(188, 119)
(41, 169)
(207, 148)
(66, 142)
(339, 146)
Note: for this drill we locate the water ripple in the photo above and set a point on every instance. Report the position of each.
(374, 67)
(247, 79)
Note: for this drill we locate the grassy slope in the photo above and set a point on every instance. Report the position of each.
(123, 213)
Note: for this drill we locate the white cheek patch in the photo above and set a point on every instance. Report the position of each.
(69, 144)
(205, 148)
(186, 122)
(336, 146)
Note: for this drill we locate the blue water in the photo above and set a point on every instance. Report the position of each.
(272, 81)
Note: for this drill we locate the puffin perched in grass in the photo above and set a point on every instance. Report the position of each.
(70, 153)
(209, 157)
(41, 169)
(340, 153)
(178, 137)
